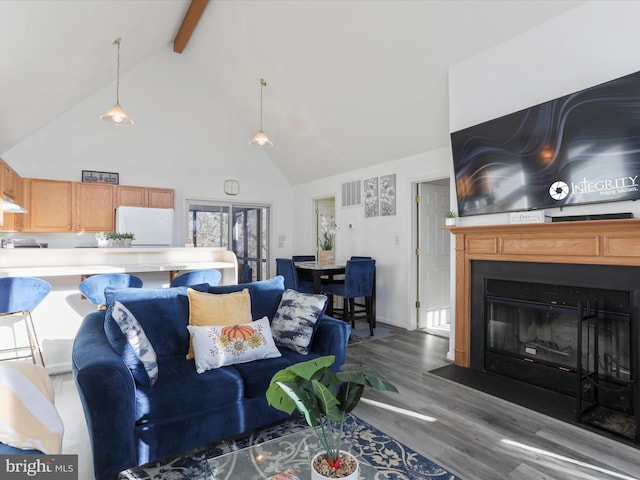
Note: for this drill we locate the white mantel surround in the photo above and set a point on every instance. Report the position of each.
(58, 317)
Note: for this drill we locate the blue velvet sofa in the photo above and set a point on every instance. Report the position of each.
(130, 424)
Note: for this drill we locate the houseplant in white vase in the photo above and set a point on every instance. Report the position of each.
(324, 398)
(326, 240)
(450, 218)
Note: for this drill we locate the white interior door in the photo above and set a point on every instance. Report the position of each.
(434, 269)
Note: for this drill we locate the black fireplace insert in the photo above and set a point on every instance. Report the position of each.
(572, 329)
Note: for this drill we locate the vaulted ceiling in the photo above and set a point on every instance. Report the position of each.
(349, 83)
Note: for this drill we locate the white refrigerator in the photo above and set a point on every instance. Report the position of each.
(152, 227)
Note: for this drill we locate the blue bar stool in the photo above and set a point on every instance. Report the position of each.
(358, 283)
(19, 296)
(194, 277)
(93, 287)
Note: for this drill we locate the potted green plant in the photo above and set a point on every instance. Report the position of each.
(113, 239)
(326, 240)
(450, 218)
(104, 239)
(324, 398)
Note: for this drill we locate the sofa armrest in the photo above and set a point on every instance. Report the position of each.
(107, 392)
(331, 338)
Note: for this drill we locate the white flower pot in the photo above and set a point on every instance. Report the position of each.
(317, 476)
(449, 221)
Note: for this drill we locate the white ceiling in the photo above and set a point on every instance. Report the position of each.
(350, 83)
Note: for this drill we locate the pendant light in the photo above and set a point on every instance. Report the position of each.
(116, 114)
(261, 139)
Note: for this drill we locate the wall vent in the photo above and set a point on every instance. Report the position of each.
(352, 194)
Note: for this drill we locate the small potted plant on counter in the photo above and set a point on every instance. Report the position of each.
(114, 240)
(324, 398)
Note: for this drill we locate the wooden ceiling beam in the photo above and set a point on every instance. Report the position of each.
(189, 23)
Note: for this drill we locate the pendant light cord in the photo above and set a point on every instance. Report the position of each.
(263, 83)
(117, 42)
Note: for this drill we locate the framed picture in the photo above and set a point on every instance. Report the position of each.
(91, 176)
(371, 204)
(387, 195)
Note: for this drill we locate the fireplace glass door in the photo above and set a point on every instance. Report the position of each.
(542, 333)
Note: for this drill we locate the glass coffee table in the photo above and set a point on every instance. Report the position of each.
(289, 452)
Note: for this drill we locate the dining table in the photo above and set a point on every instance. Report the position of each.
(318, 271)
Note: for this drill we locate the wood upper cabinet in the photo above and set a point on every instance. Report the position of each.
(50, 205)
(94, 207)
(9, 180)
(131, 196)
(16, 221)
(144, 197)
(160, 198)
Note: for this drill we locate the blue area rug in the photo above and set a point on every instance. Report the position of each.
(393, 460)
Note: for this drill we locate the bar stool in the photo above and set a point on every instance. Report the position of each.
(93, 287)
(18, 296)
(194, 277)
(358, 282)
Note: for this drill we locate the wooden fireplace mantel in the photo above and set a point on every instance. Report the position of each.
(596, 242)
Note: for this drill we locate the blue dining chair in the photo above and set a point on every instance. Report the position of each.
(194, 277)
(287, 268)
(358, 282)
(246, 273)
(19, 296)
(93, 286)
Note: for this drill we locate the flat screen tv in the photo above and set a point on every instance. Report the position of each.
(577, 149)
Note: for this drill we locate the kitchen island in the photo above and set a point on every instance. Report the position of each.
(58, 317)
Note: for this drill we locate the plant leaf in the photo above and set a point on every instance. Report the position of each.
(303, 401)
(328, 402)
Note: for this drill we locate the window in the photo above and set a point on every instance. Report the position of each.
(244, 229)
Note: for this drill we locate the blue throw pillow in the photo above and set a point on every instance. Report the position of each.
(128, 339)
(294, 323)
(265, 295)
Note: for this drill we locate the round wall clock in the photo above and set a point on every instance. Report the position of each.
(231, 187)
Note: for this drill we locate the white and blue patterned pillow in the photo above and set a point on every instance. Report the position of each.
(294, 323)
(215, 346)
(128, 339)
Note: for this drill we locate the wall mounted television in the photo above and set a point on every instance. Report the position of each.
(578, 149)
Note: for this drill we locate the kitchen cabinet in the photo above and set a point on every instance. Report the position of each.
(160, 198)
(131, 196)
(94, 207)
(50, 205)
(144, 197)
(9, 179)
(16, 221)
(61, 206)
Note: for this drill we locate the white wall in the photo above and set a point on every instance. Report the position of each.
(184, 137)
(590, 44)
(388, 239)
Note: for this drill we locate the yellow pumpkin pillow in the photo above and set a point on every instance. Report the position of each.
(206, 309)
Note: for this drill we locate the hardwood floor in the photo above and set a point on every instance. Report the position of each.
(472, 434)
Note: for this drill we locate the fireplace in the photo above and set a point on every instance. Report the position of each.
(557, 306)
(556, 326)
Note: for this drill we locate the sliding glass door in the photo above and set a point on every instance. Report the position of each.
(241, 228)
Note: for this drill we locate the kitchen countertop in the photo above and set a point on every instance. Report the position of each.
(49, 262)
